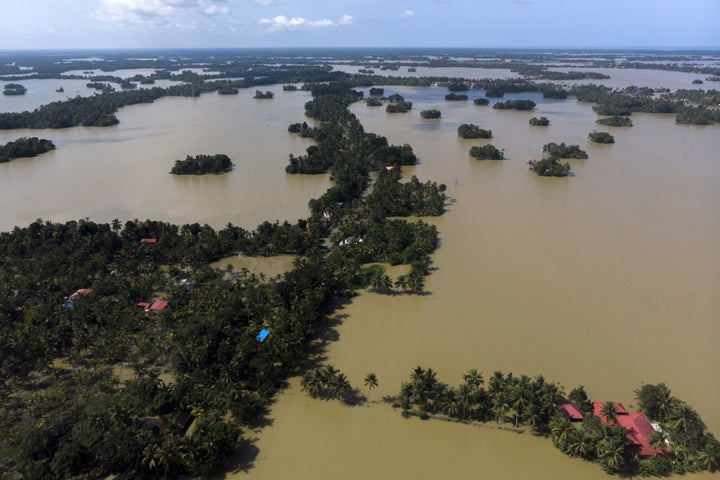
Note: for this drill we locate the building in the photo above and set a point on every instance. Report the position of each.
(639, 429)
(571, 412)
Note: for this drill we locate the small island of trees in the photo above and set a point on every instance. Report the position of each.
(454, 97)
(267, 94)
(228, 91)
(377, 91)
(202, 164)
(539, 122)
(486, 152)
(481, 101)
(601, 137)
(373, 102)
(515, 105)
(615, 121)
(399, 107)
(14, 89)
(564, 151)
(25, 147)
(470, 130)
(550, 167)
(430, 114)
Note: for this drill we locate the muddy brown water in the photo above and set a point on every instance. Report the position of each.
(607, 279)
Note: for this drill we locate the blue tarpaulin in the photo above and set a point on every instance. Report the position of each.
(263, 335)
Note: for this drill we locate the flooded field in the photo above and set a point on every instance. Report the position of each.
(607, 279)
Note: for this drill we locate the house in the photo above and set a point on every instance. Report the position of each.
(80, 292)
(639, 429)
(571, 412)
(148, 240)
(157, 306)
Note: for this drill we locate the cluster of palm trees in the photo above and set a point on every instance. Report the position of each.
(520, 400)
(326, 382)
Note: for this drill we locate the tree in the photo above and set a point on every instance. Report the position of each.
(539, 122)
(601, 137)
(469, 130)
(430, 114)
(474, 379)
(657, 441)
(561, 429)
(550, 167)
(487, 152)
(610, 411)
(371, 382)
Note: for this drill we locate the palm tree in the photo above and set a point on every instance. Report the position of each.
(116, 225)
(657, 441)
(371, 382)
(609, 411)
(611, 452)
(474, 379)
(560, 429)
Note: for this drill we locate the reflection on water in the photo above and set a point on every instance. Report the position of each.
(608, 279)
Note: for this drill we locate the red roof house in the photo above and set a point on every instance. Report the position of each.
(569, 410)
(157, 306)
(639, 429)
(82, 291)
(148, 240)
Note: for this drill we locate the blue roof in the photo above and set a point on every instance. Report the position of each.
(263, 335)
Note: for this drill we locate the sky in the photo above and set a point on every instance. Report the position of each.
(101, 24)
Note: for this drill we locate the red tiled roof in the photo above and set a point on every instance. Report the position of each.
(570, 411)
(148, 240)
(82, 291)
(639, 429)
(158, 305)
(143, 304)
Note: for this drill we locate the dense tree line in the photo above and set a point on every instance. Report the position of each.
(533, 403)
(481, 101)
(454, 97)
(25, 147)
(202, 164)
(265, 94)
(399, 107)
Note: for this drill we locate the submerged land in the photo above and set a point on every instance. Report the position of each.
(74, 332)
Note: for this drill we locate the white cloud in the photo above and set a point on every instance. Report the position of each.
(281, 23)
(264, 2)
(408, 13)
(157, 12)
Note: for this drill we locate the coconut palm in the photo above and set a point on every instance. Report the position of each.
(371, 382)
(610, 412)
(657, 441)
(560, 429)
(611, 453)
(474, 379)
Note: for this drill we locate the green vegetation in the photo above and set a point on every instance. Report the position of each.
(373, 102)
(228, 91)
(25, 147)
(601, 137)
(289, 88)
(67, 412)
(515, 105)
(481, 101)
(303, 129)
(14, 89)
(539, 122)
(487, 152)
(564, 151)
(697, 81)
(615, 121)
(432, 113)
(327, 382)
(454, 97)
(266, 94)
(550, 167)
(533, 403)
(470, 130)
(399, 107)
(376, 91)
(202, 164)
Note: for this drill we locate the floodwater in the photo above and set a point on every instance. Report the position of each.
(122, 171)
(607, 279)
